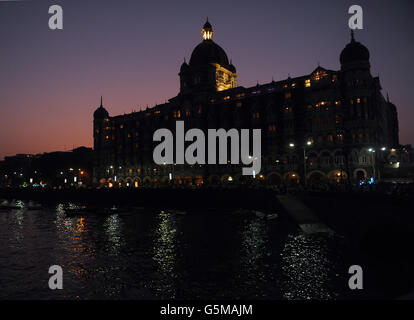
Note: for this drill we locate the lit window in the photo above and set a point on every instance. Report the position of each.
(226, 98)
(307, 83)
(340, 137)
(288, 95)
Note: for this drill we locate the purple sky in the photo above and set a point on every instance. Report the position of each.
(131, 51)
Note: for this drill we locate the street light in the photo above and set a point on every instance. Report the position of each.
(372, 150)
(308, 143)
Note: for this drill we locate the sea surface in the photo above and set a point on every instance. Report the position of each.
(159, 254)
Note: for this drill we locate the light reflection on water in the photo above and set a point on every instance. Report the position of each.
(161, 255)
(309, 267)
(165, 248)
(113, 230)
(254, 250)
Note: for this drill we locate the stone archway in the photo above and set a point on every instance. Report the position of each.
(337, 176)
(102, 182)
(360, 174)
(146, 181)
(177, 180)
(316, 177)
(292, 179)
(198, 181)
(214, 180)
(227, 179)
(188, 181)
(129, 183)
(137, 182)
(274, 179)
(165, 181)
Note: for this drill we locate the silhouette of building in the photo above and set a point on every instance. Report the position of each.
(337, 122)
(51, 169)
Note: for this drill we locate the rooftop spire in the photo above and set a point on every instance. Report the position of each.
(352, 35)
(101, 102)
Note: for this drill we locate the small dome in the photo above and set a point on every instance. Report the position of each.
(184, 67)
(101, 112)
(208, 52)
(207, 25)
(354, 51)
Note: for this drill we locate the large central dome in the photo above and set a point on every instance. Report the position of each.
(209, 67)
(208, 52)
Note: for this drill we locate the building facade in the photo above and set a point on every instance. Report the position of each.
(329, 126)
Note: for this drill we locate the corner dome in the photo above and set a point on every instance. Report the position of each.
(101, 112)
(184, 67)
(354, 51)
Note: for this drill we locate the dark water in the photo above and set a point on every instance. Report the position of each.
(159, 255)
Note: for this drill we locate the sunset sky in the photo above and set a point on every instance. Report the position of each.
(131, 51)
